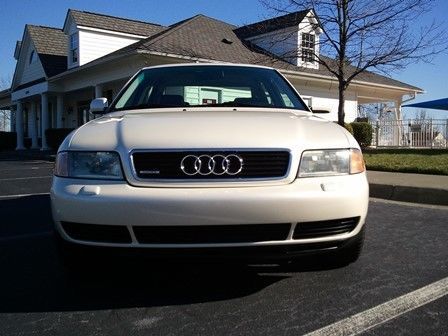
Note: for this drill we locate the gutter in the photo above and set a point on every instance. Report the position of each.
(355, 82)
(93, 63)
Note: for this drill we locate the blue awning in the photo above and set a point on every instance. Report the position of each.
(439, 104)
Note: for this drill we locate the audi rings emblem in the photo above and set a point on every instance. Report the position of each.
(211, 165)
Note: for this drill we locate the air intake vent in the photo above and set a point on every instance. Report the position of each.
(211, 233)
(97, 233)
(325, 228)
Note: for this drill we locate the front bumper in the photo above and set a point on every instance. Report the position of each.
(122, 205)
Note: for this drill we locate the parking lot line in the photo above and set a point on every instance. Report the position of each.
(22, 195)
(384, 312)
(26, 236)
(28, 168)
(24, 178)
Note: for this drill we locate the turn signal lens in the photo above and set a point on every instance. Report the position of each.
(356, 162)
(61, 166)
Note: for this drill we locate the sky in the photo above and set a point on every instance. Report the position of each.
(14, 14)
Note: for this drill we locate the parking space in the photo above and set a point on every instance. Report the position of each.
(405, 250)
(25, 177)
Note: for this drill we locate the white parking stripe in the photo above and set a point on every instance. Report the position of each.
(28, 168)
(24, 178)
(26, 236)
(384, 312)
(22, 195)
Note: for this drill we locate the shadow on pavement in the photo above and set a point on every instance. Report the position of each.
(33, 279)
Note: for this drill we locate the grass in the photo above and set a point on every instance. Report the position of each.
(421, 161)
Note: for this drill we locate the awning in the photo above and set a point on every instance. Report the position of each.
(439, 104)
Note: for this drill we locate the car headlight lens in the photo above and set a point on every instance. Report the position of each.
(90, 165)
(331, 162)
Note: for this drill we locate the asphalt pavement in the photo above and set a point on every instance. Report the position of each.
(405, 251)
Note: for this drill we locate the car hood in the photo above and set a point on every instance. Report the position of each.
(208, 129)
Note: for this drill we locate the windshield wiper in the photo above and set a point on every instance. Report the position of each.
(228, 104)
(142, 106)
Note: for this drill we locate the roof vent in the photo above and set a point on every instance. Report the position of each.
(226, 41)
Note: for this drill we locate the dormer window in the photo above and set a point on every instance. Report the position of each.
(74, 48)
(33, 57)
(308, 47)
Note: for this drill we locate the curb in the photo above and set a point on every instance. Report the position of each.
(409, 194)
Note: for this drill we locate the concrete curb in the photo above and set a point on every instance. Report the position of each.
(409, 194)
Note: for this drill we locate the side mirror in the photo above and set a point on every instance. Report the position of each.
(98, 105)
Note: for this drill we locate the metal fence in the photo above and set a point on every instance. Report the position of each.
(416, 133)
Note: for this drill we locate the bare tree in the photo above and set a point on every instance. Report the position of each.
(360, 35)
(5, 115)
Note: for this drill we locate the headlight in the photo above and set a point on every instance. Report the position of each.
(90, 165)
(331, 162)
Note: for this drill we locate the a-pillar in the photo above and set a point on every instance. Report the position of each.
(19, 126)
(59, 110)
(32, 125)
(44, 119)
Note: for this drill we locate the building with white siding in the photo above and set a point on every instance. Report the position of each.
(60, 70)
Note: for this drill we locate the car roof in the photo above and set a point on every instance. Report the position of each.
(209, 64)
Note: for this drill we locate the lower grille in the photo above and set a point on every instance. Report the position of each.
(211, 234)
(97, 233)
(325, 228)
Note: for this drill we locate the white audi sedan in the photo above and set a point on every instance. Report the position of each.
(213, 160)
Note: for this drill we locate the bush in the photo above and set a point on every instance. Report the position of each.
(349, 128)
(55, 136)
(8, 140)
(362, 131)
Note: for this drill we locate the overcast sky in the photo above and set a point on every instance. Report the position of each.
(14, 14)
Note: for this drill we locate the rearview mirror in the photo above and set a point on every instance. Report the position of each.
(99, 105)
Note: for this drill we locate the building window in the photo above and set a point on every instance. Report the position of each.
(308, 47)
(33, 57)
(74, 47)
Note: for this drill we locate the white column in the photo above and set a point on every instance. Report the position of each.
(98, 91)
(32, 125)
(398, 141)
(19, 126)
(397, 104)
(44, 119)
(59, 110)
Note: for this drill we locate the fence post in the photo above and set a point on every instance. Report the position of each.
(377, 133)
(446, 133)
(431, 133)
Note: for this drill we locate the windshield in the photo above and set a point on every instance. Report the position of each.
(205, 86)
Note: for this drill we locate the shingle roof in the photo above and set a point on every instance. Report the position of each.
(51, 46)
(269, 25)
(113, 23)
(202, 37)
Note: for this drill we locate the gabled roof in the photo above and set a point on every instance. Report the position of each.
(107, 22)
(269, 25)
(51, 47)
(202, 37)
